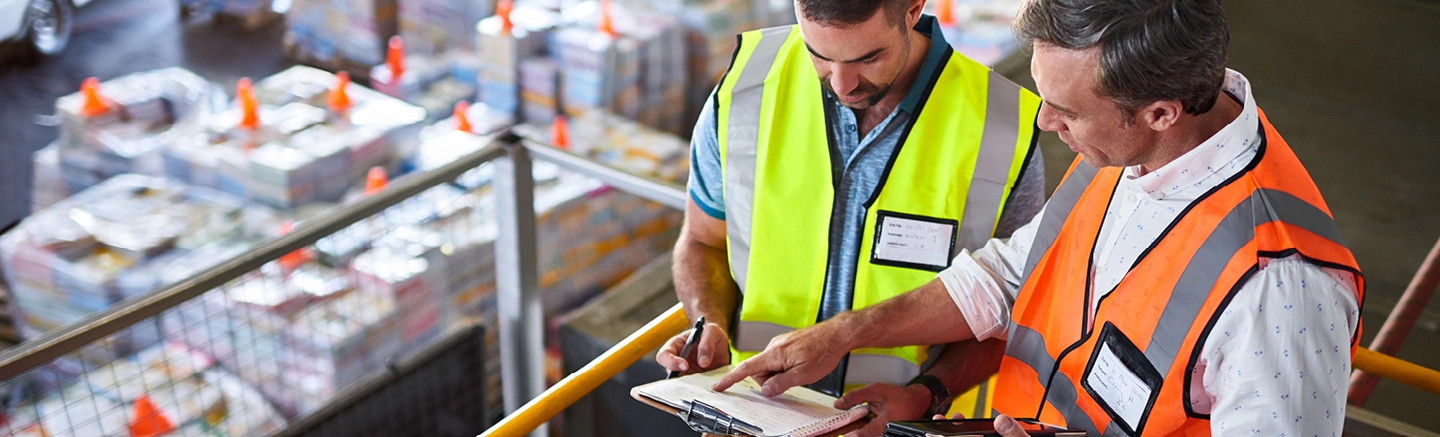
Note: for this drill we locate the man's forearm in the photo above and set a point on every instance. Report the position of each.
(925, 315)
(703, 282)
(967, 363)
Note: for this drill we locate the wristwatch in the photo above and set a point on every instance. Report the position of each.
(939, 395)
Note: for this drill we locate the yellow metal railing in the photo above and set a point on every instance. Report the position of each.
(578, 384)
(1396, 369)
(652, 335)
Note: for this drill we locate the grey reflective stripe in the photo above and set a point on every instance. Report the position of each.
(980, 407)
(1204, 269)
(1056, 211)
(1191, 290)
(1114, 430)
(754, 336)
(992, 166)
(862, 368)
(1028, 346)
(742, 137)
(873, 368)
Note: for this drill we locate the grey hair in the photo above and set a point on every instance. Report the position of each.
(1150, 50)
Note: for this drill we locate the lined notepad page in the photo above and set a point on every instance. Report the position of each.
(799, 412)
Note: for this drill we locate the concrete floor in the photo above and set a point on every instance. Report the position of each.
(1352, 85)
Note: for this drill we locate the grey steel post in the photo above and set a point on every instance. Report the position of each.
(522, 353)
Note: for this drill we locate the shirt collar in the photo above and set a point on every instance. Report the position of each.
(934, 55)
(1194, 169)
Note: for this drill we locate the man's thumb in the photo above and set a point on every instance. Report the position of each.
(1008, 427)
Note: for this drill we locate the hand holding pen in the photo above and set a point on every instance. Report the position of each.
(705, 347)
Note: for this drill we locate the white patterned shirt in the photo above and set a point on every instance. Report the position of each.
(1277, 362)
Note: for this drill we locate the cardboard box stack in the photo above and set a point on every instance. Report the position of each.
(432, 27)
(661, 76)
(507, 42)
(979, 29)
(165, 389)
(298, 146)
(119, 126)
(296, 330)
(340, 32)
(434, 82)
(121, 238)
(711, 28)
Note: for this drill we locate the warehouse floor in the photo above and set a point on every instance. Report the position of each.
(1350, 83)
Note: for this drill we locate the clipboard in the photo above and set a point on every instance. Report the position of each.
(701, 426)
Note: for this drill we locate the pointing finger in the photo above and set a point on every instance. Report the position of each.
(745, 369)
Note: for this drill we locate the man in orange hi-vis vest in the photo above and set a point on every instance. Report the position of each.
(1186, 278)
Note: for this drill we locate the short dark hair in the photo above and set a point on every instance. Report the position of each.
(1150, 50)
(851, 12)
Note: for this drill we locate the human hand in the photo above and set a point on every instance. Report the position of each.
(1008, 427)
(792, 359)
(888, 403)
(1005, 425)
(712, 351)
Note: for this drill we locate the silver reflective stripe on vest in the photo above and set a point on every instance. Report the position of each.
(742, 137)
(1028, 347)
(1057, 209)
(992, 166)
(754, 336)
(1205, 268)
(1187, 299)
(862, 368)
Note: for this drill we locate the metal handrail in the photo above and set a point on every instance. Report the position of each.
(583, 381)
(517, 288)
(1397, 325)
(1398, 370)
(56, 343)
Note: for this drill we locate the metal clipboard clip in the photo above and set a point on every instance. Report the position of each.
(702, 417)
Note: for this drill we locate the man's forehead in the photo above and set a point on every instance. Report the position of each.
(1056, 68)
(841, 43)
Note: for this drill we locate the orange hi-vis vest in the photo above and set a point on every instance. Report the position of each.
(1064, 365)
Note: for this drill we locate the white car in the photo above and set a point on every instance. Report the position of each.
(41, 26)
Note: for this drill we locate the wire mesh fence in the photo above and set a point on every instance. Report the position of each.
(271, 346)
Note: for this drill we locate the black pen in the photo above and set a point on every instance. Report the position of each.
(689, 344)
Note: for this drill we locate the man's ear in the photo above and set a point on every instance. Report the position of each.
(912, 13)
(1160, 115)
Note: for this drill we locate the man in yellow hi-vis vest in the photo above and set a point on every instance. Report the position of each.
(841, 162)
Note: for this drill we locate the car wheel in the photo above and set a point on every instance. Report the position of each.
(47, 25)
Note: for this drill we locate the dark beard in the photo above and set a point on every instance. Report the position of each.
(873, 93)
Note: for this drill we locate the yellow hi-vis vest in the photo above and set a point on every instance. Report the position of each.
(950, 175)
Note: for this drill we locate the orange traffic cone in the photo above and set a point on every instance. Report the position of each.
(293, 259)
(249, 106)
(945, 12)
(92, 104)
(148, 420)
(462, 117)
(560, 133)
(607, 23)
(502, 10)
(375, 180)
(339, 99)
(395, 58)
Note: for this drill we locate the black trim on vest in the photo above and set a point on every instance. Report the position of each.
(833, 383)
(836, 226)
(715, 94)
(1259, 154)
(1200, 342)
(1360, 302)
(1029, 153)
(1085, 330)
(1234, 290)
